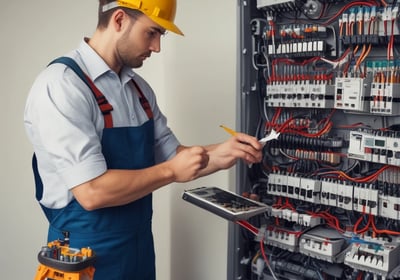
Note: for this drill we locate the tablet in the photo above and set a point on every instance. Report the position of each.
(224, 203)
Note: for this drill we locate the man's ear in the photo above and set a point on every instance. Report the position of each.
(118, 19)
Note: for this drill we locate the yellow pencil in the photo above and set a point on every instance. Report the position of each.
(229, 130)
(233, 133)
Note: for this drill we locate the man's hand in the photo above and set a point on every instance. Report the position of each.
(216, 157)
(188, 163)
(239, 146)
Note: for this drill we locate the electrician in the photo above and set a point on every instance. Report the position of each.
(102, 146)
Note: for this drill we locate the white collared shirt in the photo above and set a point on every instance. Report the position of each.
(64, 122)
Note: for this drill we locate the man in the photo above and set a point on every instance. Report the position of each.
(102, 146)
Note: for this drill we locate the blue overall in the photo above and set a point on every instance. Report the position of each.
(120, 236)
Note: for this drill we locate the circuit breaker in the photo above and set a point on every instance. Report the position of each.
(326, 76)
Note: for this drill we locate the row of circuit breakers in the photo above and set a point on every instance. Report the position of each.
(326, 76)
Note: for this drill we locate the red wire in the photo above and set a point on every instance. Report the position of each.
(367, 179)
(391, 42)
(357, 3)
(248, 226)
(263, 252)
(276, 115)
(381, 231)
(355, 230)
(332, 221)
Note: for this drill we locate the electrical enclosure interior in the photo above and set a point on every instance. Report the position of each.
(326, 76)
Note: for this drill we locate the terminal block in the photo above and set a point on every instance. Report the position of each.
(298, 218)
(345, 195)
(277, 184)
(310, 190)
(389, 201)
(292, 186)
(384, 99)
(323, 243)
(365, 199)
(337, 193)
(283, 238)
(329, 192)
(300, 94)
(389, 207)
(378, 259)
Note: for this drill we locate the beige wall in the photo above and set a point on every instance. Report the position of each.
(194, 78)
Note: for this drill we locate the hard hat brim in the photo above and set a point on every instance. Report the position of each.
(166, 25)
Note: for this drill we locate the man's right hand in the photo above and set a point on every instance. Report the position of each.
(188, 163)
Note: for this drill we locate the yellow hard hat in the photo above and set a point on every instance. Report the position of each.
(161, 12)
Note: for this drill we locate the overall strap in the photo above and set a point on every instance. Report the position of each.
(101, 100)
(38, 180)
(143, 101)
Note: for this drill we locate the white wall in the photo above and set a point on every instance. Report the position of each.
(194, 77)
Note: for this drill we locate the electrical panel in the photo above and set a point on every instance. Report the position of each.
(326, 76)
